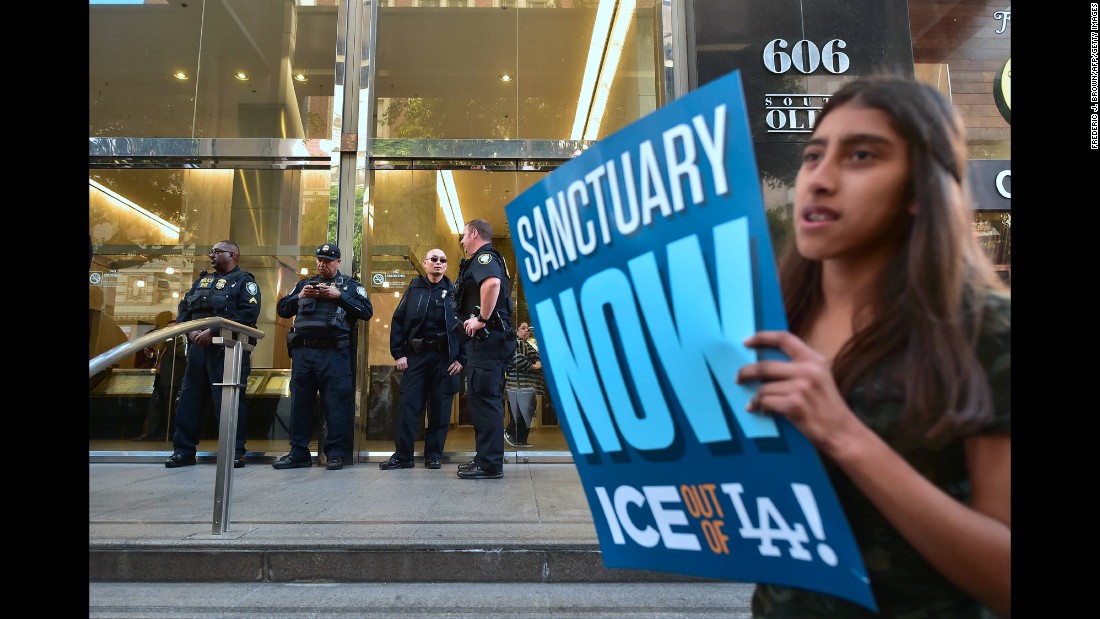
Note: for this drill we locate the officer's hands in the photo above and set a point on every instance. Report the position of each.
(202, 338)
(328, 292)
(472, 326)
(309, 291)
(454, 368)
(403, 363)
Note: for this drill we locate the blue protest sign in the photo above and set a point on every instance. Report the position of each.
(646, 262)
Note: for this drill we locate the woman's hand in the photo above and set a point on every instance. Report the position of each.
(801, 389)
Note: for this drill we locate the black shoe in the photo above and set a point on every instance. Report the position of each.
(335, 464)
(394, 463)
(476, 472)
(178, 459)
(238, 461)
(433, 463)
(286, 462)
(524, 444)
(508, 438)
(469, 465)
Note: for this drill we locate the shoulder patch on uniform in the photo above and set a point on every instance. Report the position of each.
(361, 291)
(252, 288)
(485, 258)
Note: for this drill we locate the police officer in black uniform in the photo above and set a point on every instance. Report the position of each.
(426, 347)
(484, 303)
(325, 308)
(234, 294)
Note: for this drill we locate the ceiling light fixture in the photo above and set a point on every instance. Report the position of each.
(300, 77)
(448, 200)
(505, 77)
(164, 225)
(613, 19)
(181, 75)
(241, 75)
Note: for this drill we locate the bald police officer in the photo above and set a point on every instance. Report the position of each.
(484, 302)
(234, 294)
(325, 308)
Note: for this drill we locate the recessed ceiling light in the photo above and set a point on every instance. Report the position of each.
(181, 75)
(300, 77)
(505, 77)
(241, 75)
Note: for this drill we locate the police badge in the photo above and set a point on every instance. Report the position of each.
(219, 284)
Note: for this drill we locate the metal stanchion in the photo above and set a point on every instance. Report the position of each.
(227, 431)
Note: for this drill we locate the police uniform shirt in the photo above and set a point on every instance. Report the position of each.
(434, 319)
(353, 304)
(237, 286)
(481, 266)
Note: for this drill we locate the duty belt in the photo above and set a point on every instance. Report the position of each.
(419, 345)
(304, 343)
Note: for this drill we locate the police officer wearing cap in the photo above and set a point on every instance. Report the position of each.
(324, 308)
(425, 346)
(234, 294)
(484, 302)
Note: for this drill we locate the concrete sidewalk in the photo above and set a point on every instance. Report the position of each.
(534, 505)
(316, 543)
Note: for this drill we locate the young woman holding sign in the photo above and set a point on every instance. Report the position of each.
(899, 357)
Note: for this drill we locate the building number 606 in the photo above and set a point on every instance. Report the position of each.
(805, 57)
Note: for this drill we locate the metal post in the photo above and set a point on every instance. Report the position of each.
(227, 431)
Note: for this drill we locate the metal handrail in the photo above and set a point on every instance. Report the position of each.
(103, 360)
(231, 335)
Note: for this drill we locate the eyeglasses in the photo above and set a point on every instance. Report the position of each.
(219, 251)
(437, 259)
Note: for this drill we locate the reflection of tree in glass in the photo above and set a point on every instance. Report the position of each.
(439, 118)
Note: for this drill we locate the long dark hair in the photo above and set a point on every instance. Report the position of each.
(927, 304)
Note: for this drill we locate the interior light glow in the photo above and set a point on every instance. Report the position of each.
(164, 225)
(169, 270)
(181, 75)
(140, 283)
(305, 271)
(241, 75)
(448, 200)
(613, 19)
(300, 77)
(600, 29)
(623, 18)
(505, 78)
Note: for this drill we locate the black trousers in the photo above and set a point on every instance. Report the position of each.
(326, 371)
(425, 382)
(205, 366)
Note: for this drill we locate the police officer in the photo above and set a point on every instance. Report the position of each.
(234, 294)
(426, 348)
(485, 306)
(325, 308)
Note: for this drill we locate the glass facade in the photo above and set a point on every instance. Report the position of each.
(282, 124)
(384, 126)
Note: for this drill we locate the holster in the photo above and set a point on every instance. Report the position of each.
(291, 341)
(419, 344)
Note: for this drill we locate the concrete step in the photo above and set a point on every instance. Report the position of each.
(438, 601)
(366, 542)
